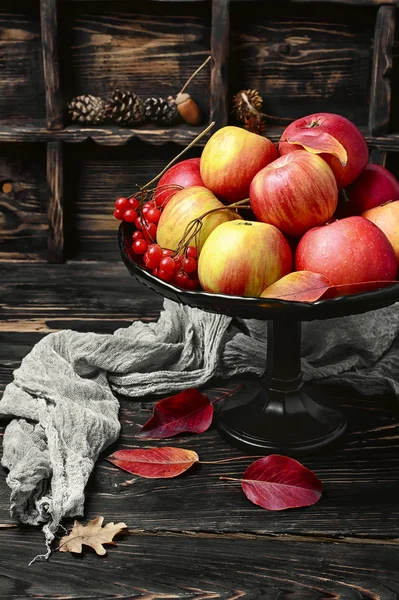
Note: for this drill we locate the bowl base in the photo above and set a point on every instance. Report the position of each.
(295, 423)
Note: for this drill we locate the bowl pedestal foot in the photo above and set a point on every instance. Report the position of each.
(281, 414)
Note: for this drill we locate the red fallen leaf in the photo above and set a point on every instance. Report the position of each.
(155, 463)
(299, 286)
(279, 482)
(190, 411)
(347, 289)
(318, 142)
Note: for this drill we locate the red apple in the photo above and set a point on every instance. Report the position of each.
(350, 142)
(351, 250)
(386, 217)
(375, 186)
(230, 160)
(242, 258)
(184, 207)
(184, 174)
(294, 193)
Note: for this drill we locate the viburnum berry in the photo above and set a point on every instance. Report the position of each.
(153, 256)
(137, 235)
(118, 214)
(167, 252)
(165, 275)
(181, 279)
(149, 231)
(138, 223)
(193, 283)
(191, 252)
(189, 264)
(134, 203)
(122, 204)
(146, 207)
(130, 215)
(167, 264)
(153, 215)
(178, 261)
(139, 246)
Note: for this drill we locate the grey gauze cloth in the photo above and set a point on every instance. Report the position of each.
(64, 411)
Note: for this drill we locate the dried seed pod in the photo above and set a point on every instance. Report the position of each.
(188, 109)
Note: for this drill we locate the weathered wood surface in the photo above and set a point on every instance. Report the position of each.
(380, 95)
(49, 30)
(303, 58)
(22, 92)
(94, 178)
(150, 48)
(55, 209)
(23, 202)
(180, 134)
(220, 45)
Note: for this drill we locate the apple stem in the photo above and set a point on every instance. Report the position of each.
(195, 140)
(194, 74)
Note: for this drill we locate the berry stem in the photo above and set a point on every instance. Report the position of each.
(195, 140)
(194, 74)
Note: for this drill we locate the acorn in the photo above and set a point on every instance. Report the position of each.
(188, 109)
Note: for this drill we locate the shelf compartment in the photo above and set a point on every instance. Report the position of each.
(303, 58)
(22, 94)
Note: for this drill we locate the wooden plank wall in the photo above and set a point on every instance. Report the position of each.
(302, 56)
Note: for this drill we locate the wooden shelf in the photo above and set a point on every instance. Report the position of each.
(106, 136)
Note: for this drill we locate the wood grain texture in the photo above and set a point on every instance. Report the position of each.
(380, 94)
(303, 58)
(150, 48)
(55, 208)
(95, 177)
(360, 477)
(22, 94)
(23, 210)
(198, 567)
(104, 136)
(49, 29)
(394, 124)
(220, 38)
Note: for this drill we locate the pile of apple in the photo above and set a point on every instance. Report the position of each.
(293, 220)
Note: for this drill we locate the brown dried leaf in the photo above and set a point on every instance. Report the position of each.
(93, 534)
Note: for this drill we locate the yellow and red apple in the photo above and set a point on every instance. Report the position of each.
(185, 206)
(386, 217)
(242, 258)
(231, 158)
(295, 192)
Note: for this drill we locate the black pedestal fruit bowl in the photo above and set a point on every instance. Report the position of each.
(279, 413)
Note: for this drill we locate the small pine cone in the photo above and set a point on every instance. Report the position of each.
(125, 108)
(246, 103)
(87, 109)
(161, 110)
(255, 124)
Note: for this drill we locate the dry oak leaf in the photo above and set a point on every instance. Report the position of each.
(93, 534)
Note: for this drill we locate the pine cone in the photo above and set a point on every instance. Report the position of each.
(246, 103)
(125, 108)
(161, 110)
(255, 124)
(87, 109)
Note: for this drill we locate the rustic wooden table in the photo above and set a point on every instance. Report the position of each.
(196, 536)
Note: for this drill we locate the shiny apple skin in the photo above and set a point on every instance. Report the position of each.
(375, 186)
(345, 132)
(295, 193)
(230, 160)
(242, 258)
(386, 217)
(351, 250)
(186, 205)
(185, 174)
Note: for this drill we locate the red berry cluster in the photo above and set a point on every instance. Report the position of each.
(181, 270)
